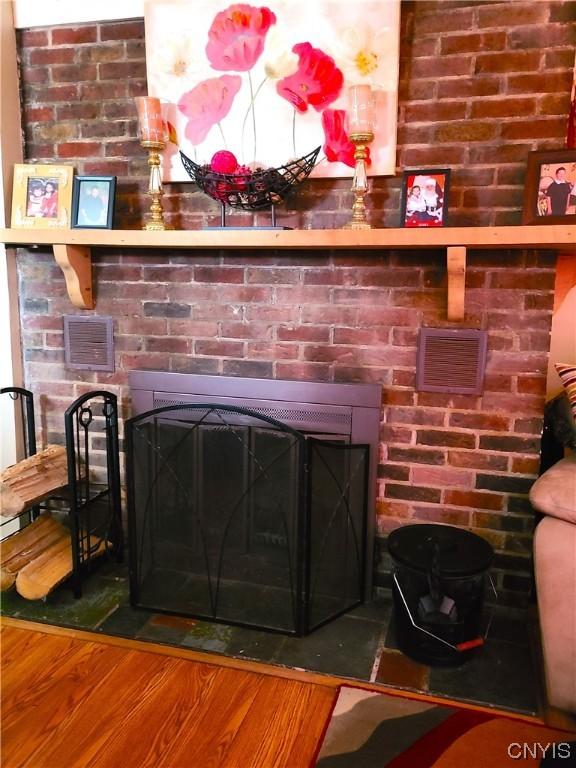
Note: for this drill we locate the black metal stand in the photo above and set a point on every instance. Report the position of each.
(26, 399)
(95, 509)
(91, 504)
(223, 224)
(27, 424)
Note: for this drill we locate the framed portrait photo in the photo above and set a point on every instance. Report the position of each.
(42, 196)
(93, 202)
(550, 190)
(424, 200)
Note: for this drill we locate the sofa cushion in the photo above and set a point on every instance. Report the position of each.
(554, 493)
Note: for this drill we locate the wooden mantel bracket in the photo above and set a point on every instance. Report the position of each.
(75, 262)
(456, 267)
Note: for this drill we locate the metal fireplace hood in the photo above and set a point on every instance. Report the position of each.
(338, 411)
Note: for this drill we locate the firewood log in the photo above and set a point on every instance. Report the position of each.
(45, 572)
(29, 481)
(23, 546)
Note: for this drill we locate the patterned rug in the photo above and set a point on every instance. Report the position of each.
(376, 730)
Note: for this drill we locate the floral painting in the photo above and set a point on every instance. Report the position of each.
(269, 83)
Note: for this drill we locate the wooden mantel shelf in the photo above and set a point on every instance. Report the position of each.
(72, 247)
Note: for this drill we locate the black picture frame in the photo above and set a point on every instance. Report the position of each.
(93, 215)
(427, 209)
(542, 171)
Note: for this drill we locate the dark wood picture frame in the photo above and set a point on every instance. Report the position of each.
(544, 169)
(428, 208)
(93, 211)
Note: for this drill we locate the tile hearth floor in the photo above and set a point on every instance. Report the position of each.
(359, 645)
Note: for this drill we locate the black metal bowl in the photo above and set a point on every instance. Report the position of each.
(255, 190)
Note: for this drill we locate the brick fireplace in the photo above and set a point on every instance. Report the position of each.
(481, 85)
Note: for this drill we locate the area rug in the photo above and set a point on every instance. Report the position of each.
(376, 730)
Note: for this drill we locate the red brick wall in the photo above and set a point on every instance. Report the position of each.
(481, 84)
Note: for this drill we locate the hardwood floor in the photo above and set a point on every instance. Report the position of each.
(77, 700)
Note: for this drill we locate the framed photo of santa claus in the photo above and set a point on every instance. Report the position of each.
(425, 197)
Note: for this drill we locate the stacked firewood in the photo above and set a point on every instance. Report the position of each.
(39, 557)
(31, 480)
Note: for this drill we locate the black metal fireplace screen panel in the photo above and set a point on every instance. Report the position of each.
(236, 517)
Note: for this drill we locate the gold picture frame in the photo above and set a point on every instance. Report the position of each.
(42, 196)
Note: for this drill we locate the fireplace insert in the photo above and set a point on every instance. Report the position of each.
(237, 517)
(346, 412)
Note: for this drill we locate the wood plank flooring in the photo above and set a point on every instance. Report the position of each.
(76, 700)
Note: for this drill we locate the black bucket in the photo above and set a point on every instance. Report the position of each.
(439, 579)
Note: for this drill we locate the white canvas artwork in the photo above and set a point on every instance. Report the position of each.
(270, 83)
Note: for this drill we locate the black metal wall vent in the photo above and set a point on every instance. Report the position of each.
(451, 360)
(89, 343)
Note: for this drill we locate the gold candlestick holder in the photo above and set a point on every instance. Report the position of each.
(360, 180)
(156, 221)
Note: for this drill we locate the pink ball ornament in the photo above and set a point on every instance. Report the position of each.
(223, 162)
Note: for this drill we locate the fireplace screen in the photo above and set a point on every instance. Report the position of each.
(236, 517)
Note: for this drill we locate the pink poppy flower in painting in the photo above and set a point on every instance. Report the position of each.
(317, 82)
(338, 147)
(236, 37)
(208, 103)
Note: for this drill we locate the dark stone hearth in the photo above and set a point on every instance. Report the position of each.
(503, 674)
(503, 671)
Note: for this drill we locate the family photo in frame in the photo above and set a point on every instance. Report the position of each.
(550, 190)
(42, 196)
(93, 202)
(425, 197)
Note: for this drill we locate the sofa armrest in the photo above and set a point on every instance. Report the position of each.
(554, 492)
(555, 566)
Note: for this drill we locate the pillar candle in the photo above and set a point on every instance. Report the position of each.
(150, 121)
(360, 109)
